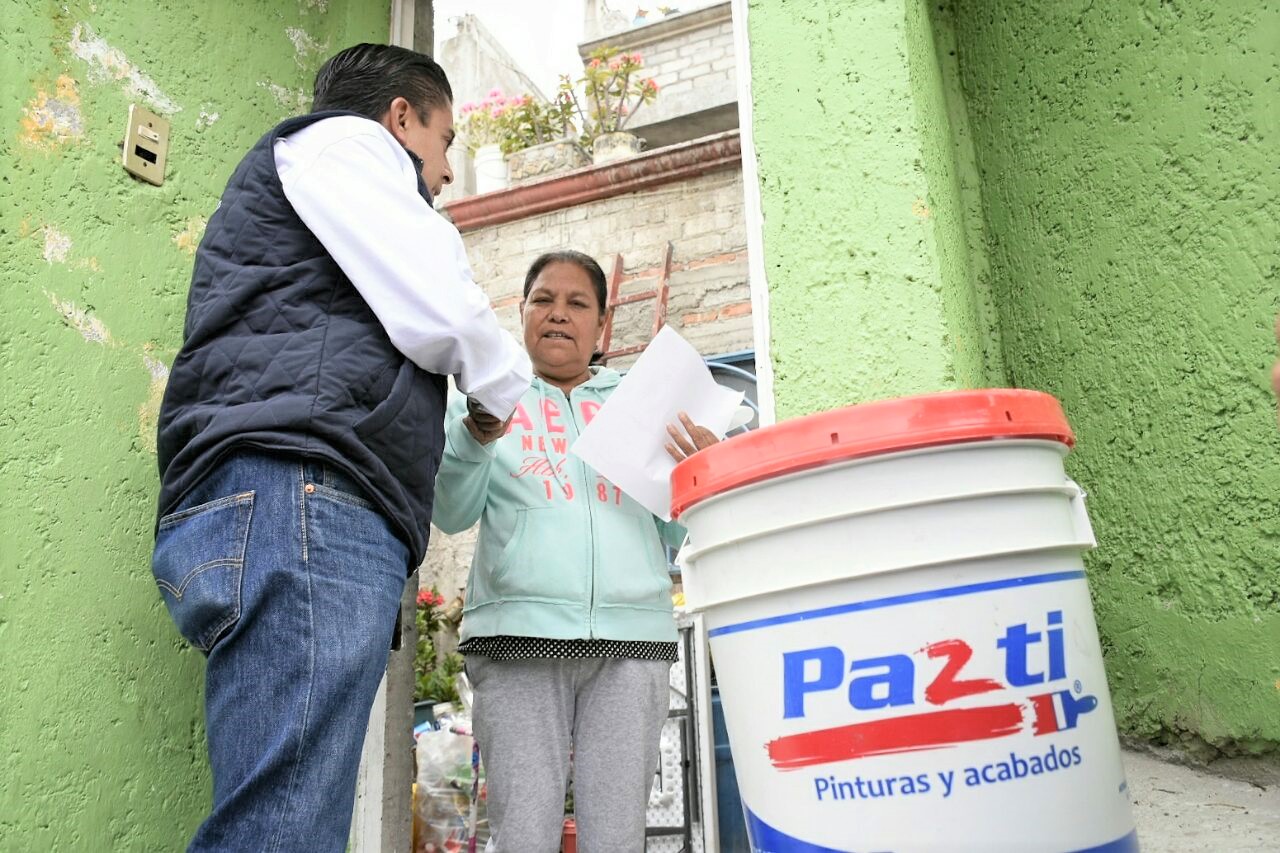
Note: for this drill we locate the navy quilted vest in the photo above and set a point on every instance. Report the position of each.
(281, 353)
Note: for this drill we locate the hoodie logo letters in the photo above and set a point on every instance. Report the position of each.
(541, 445)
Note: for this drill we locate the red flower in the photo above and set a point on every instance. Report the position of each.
(425, 597)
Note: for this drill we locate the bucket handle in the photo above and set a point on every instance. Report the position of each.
(1080, 515)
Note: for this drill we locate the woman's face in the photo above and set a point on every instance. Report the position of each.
(562, 321)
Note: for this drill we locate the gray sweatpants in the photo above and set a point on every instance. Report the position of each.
(529, 715)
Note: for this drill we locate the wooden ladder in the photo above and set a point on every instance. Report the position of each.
(659, 294)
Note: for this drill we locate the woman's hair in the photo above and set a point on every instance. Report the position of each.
(582, 261)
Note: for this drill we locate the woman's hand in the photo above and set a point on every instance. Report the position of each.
(690, 441)
(484, 427)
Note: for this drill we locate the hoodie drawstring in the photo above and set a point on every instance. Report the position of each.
(544, 438)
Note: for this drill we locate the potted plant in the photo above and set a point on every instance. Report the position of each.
(612, 91)
(435, 675)
(483, 129)
(539, 138)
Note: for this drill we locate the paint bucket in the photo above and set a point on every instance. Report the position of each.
(902, 632)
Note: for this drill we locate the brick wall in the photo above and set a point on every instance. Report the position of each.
(694, 70)
(702, 218)
(692, 59)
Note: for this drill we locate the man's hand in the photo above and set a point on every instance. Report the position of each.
(484, 427)
(683, 446)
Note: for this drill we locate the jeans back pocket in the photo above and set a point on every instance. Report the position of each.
(198, 564)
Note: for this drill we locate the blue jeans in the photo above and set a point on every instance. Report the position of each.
(289, 580)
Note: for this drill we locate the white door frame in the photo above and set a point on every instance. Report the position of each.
(402, 15)
(754, 217)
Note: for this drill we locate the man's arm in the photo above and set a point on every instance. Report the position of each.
(356, 190)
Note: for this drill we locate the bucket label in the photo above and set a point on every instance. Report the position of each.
(892, 682)
(926, 722)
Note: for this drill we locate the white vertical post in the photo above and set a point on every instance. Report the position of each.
(705, 737)
(402, 14)
(383, 820)
(366, 823)
(754, 217)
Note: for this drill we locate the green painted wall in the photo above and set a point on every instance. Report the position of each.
(101, 741)
(1072, 196)
(869, 213)
(1128, 157)
(954, 201)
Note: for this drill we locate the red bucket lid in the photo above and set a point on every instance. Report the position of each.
(868, 429)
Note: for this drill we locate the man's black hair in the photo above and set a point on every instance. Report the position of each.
(366, 78)
(582, 261)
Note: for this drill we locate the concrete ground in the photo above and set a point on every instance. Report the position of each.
(1182, 810)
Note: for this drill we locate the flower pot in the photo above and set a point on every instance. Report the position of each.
(569, 838)
(618, 145)
(548, 158)
(491, 171)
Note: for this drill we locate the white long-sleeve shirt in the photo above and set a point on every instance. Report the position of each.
(356, 189)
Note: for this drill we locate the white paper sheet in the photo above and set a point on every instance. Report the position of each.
(626, 440)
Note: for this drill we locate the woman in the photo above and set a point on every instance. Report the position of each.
(568, 631)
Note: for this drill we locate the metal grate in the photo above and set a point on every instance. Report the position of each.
(674, 821)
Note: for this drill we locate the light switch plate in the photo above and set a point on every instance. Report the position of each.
(146, 145)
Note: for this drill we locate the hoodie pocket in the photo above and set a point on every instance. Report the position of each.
(632, 564)
(198, 564)
(524, 569)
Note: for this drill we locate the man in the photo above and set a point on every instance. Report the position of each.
(301, 431)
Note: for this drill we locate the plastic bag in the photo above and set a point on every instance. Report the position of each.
(446, 779)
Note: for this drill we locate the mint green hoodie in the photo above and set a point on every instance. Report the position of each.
(562, 553)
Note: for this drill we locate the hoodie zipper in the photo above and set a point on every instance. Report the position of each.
(591, 522)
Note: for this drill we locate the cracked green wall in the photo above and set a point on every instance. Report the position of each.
(1128, 160)
(101, 741)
